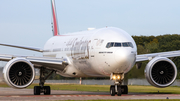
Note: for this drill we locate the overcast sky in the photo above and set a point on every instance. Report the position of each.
(28, 22)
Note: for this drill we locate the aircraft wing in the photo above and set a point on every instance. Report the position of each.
(22, 47)
(52, 63)
(144, 57)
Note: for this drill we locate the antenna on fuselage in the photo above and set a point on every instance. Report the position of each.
(54, 23)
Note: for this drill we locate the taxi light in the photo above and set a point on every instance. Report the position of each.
(118, 77)
(114, 77)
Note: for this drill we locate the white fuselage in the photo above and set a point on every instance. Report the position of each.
(88, 54)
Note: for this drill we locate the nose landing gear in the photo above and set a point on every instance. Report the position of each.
(117, 88)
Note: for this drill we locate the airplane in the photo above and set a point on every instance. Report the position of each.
(105, 52)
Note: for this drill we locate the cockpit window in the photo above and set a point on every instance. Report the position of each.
(107, 46)
(118, 44)
(110, 44)
(130, 44)
(125, 44)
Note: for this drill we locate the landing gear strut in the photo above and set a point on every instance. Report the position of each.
(117, 88)
(41, 88)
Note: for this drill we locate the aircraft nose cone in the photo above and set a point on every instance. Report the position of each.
(122, 55)
(124, 60)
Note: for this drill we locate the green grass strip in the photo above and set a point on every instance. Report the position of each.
(130, 100)
(105, 88)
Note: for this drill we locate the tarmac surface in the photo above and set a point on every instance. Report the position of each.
(8, 94)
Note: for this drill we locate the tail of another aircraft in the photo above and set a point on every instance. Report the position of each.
(55, 21)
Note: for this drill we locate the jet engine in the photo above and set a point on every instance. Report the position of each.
(19, 73)
(160, 72)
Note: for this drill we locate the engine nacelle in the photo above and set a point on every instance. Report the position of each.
(161, 72)
(19, 73)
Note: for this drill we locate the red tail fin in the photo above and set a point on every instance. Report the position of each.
(55, 22)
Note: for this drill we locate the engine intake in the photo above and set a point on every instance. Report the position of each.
(19, 73)
(161, 72)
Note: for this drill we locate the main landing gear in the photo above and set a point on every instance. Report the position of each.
(41, 88)
(118, 88)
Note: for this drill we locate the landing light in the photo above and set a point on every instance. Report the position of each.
(118, 77)
(114, 77)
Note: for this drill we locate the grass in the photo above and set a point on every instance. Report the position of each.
(154, 90)
(105, 88)
(130, 100)
(76, 87)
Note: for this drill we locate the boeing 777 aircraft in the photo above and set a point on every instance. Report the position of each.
(106, 52)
